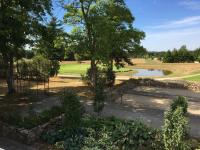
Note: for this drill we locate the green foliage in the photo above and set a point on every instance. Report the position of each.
(32, 120)
(108, 134)
(99, 35)
(36, 69)
(178, 56)
(180, 102)
(19, 22)
(99, 99)
(110, 77)
(51, 44)
(132, 135)
(175, 129)
(97, 88)
(104, 77)
(198, 59)
(54, 67)
(73, 111)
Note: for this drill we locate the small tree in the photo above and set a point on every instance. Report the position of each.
(73, 111)
(175, 129)
(97, 88)
(175, 125)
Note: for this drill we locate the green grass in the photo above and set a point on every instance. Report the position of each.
(82, 68)
(194, 78)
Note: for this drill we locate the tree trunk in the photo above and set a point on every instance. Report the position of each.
(9, 75)
(93, 73)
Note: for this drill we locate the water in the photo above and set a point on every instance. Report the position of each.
(151, 73)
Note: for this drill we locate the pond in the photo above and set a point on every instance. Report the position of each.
(151, 73)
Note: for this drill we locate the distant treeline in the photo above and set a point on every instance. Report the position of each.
(177, 55)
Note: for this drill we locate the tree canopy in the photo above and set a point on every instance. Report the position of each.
(19, 21)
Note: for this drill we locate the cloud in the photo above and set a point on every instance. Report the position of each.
(185, 22)
(191, 4)
(164, 40)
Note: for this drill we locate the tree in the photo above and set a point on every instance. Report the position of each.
(51, 44)
(168, 58)
(19, 21)
(179, 56)
(103, 29)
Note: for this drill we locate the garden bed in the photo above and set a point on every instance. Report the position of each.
(28, 129)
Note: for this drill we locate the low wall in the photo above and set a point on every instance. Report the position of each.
(27, 136)
(165, 84)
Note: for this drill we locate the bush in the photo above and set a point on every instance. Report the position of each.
(175, 129)
(40, 67)
(180, 102)
(73, 110)
(108, 134)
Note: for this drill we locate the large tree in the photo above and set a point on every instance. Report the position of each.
(105, 31)
(19, 21)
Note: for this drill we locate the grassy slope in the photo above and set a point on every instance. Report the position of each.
(194, 78)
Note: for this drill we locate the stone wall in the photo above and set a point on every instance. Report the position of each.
(27, 136)
(155, 83)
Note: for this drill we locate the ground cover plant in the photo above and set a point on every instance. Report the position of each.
(32, 120)
(99, 133)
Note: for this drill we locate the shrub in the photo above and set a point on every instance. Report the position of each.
(108, 134)
(175, 129)
(40, 67)
(73, 110)
(180, 102)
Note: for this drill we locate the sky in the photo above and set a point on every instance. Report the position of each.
(168, 24)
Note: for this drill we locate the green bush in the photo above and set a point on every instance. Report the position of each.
(73, 110)
(180, 102)
(175, 129)
(108, 134)
(40, 67)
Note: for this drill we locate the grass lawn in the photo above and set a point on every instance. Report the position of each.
(81, 68)
(194, 78)
(177, 69)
